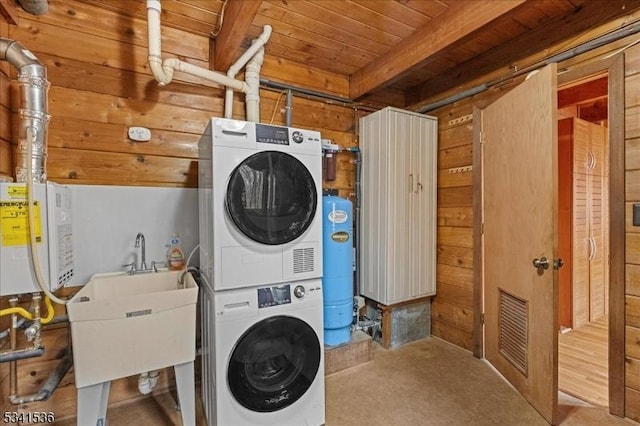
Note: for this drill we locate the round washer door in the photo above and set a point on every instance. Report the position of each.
(271, 197)
(273, 364)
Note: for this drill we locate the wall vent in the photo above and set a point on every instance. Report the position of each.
(303, 260)
(513, 330)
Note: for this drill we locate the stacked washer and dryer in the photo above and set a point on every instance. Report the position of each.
(261, 268)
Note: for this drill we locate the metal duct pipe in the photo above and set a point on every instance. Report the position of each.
(35, 7)
(32, 78)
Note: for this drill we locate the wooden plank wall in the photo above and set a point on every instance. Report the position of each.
(451, 310)
(96, 61)
(632, 190)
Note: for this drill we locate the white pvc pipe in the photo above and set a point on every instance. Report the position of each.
(163, 70)
(252, 79)
(256, 45)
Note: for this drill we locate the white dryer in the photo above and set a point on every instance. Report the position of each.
(260, 204)
(263, 355)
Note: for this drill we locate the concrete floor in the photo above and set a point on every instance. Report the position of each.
(429, 382)
(432, 382)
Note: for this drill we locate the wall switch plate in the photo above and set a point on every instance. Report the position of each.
(139, 134)
(636, 215)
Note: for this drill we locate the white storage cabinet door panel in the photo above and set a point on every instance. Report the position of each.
(398, 248)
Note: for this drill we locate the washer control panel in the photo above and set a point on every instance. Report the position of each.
(274, 296)
(290, 293)
(272, 134)
(299, 291)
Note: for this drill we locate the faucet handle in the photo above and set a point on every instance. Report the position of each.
(131, 266)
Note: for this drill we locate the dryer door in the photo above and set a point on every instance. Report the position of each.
(271, 197)
(273, 364)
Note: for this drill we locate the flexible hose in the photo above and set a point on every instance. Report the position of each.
(50, 311)
(17, 310)
(28, 315)
(191, 254)
(32, 225)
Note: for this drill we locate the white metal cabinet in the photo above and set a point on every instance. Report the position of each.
(398, 216)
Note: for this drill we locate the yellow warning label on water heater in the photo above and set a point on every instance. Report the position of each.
(14, 223)
(14, 191)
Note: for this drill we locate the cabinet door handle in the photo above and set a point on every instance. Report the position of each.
(595, 248)
(410, 183)
(418, 184)
(593, 162)
(592, 248)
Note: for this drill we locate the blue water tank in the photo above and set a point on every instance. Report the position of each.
(337, 280)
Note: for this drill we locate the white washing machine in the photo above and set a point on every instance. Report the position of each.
(263, 355)
(260, 204)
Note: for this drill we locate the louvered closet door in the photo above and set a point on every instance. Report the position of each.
(598, 222)
(582, 244)
(597, 255)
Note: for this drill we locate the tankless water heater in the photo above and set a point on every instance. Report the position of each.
(54, 237)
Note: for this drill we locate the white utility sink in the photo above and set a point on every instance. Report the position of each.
(123, 325)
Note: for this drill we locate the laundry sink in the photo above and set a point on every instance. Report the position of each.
(123, 324)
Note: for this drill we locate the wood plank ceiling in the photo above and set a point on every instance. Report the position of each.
(406, 50)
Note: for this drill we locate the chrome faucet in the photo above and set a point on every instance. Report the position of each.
(140, 243)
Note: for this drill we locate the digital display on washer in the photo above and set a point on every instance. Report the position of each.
(272, 134)
(274, 296)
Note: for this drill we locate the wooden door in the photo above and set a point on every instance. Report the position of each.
(519, 141)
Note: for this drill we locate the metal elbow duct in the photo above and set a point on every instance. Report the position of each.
(35, 7)
(32, 79)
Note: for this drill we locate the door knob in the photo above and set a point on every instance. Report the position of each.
(541, 264)
(558, 263)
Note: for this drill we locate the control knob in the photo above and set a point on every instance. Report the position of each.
(297, 137)
(299, 291)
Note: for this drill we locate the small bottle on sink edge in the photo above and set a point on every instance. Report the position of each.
(175, 255)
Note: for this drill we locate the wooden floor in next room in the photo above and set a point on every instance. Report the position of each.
(583, 362)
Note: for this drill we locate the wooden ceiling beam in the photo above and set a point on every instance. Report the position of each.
(9, 11)
(238, 15)
(532, 46)
(456, 24)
